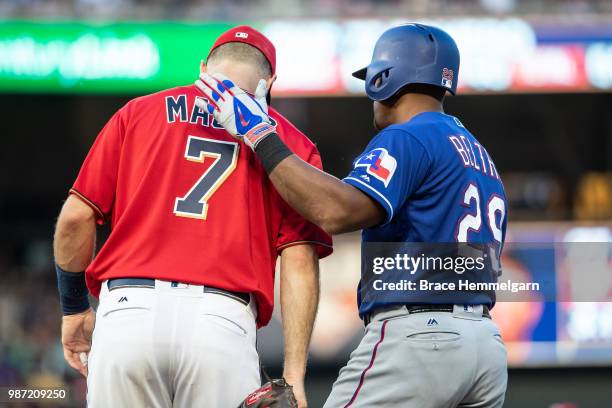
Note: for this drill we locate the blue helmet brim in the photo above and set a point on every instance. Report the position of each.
(361, 74)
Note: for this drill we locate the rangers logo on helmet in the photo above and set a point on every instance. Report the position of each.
(447, 77)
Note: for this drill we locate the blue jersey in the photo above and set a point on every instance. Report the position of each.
(437, 184)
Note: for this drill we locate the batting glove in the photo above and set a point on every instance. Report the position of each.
(242, 115)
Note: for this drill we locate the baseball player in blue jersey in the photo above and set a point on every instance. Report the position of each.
(423, 179)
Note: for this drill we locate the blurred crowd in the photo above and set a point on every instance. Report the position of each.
(263, 9)
(30, 350)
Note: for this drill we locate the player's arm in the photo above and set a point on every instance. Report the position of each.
(90, 203)
(332, 204)
(323, 199)
(299, 292)
(75, 236)
(73, 249)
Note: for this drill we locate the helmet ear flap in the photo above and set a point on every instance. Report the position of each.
(380, 80)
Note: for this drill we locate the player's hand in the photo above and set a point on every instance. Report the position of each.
(242, 115)
(76, 339)
(299, 391)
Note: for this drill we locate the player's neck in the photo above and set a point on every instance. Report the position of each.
(412, 104)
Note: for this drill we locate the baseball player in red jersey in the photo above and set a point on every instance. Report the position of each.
(187, 273)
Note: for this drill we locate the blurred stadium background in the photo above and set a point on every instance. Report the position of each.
(535, 88)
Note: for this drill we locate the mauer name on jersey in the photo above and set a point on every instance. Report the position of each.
(177, 109)
(466, 151)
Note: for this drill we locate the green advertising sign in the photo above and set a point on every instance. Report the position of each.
(77, 57)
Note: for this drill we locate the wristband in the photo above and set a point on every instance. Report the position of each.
(271, 151)
(72, 290)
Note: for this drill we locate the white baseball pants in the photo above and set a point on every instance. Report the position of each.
(171, 347)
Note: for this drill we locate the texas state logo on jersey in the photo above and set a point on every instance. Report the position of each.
(379, 164)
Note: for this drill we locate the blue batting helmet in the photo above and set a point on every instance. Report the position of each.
(411, 54)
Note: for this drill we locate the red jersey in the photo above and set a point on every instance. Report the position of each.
(187, 202)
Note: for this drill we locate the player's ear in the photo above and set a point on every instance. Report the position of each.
(202, 67)
(270, 82)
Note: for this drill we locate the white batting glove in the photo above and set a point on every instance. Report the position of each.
(242, 115)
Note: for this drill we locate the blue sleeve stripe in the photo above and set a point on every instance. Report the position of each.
(377, 195)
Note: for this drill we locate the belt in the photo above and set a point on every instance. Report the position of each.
(242, 297)
(422, 308)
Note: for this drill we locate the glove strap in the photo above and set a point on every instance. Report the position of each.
(258, 133)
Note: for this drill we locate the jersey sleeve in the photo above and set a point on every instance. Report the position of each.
(295, 229)
(97, 180)
(390, 169)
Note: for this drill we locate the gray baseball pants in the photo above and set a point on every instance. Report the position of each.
(425, 360)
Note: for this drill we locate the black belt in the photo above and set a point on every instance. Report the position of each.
(422, 308)
(241, 297)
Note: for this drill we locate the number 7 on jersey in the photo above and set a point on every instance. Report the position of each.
(194, 204)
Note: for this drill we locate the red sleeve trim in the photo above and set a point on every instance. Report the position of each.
(90, 203)
(280, 248)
